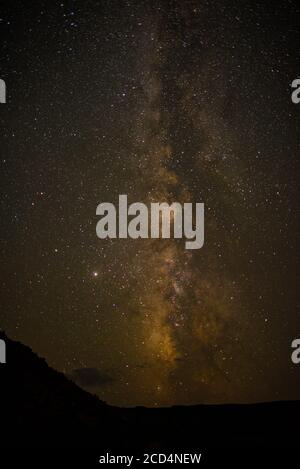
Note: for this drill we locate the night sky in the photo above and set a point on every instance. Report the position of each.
(186, 101)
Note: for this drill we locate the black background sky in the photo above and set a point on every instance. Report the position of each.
(163, 101)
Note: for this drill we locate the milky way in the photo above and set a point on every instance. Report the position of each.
(162, 101)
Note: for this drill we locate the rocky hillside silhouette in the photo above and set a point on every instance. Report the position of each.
(43, 408)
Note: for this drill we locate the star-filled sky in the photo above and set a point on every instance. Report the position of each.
(186, 101)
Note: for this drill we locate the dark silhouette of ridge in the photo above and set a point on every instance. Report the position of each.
(42, 408)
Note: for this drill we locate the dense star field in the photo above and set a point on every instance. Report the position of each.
(163, 101)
